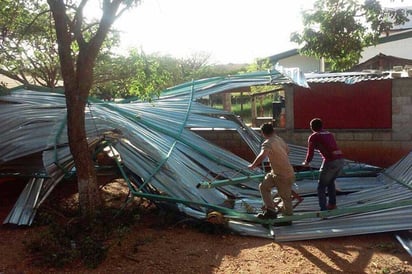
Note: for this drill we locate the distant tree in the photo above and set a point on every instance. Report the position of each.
(28, 49)
(77, 72)
(142, 75)
(111, 77)
(260, 65)
(338, 30)
(150, 78)
(173, 66)
(134, 75)
(28, 53)
(195, 66)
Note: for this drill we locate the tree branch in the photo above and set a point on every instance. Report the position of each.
(63, 39)
(13, 76)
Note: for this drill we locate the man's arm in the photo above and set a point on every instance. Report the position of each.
(309, 153)
(258, 160)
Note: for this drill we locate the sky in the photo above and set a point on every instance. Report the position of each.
(230, 31)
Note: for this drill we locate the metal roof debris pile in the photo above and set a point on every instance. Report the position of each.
(164, 161)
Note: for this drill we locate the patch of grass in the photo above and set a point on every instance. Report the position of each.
(52, 248)
(264, 108)
(389, 247)
(78, 239)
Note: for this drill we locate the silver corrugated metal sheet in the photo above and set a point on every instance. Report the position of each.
(405, 239)
(160, 154)
(346, 77)
(385, 204)
(25, 207)
(154, 138)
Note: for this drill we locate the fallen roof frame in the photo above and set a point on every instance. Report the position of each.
(155, 144)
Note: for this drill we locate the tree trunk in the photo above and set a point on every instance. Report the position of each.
(77, 75)
(89, 198)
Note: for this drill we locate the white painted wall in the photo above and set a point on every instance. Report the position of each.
(304, 63)
(399, 48)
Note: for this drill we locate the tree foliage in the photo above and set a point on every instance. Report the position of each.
(28, 51)
(142, 75)
(29, 55)
(338, 30)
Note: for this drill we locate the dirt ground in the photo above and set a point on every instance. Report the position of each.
(176, 248)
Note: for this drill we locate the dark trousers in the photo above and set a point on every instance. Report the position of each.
(328, 173)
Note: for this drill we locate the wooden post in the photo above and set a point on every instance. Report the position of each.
(253, 109)
(227, 101)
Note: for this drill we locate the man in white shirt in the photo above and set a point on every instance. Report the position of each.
(281, 176)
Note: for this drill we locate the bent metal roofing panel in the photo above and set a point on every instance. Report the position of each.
(163, 160)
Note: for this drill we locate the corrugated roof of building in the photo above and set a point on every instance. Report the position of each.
(347, 77)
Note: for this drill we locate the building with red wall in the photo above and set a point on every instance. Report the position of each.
(371, 117)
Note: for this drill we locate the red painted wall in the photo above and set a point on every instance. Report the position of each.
(365, 105)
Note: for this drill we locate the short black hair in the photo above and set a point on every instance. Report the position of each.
(267, 128)
(316, 124)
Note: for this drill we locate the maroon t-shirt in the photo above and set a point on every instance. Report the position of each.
(325, 142)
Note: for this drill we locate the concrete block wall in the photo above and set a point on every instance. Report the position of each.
(402, 109)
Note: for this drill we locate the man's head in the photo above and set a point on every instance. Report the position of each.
(316, 124)
(267, 129)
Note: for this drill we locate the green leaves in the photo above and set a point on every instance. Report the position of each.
(27, 47)
(338, 30)
(145, 75)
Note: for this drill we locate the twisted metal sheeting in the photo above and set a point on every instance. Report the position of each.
(167, 160)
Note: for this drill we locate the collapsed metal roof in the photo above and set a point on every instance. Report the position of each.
(163, 160)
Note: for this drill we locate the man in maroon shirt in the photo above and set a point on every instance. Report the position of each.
(332, 163)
